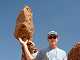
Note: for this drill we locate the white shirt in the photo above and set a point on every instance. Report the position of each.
(51, 54)
(56, 54)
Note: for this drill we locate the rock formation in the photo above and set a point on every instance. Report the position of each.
(25, 29)
(74, 53)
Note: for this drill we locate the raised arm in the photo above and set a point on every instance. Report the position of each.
(26, 51)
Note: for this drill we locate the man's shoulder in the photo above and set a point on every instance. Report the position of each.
(43, 50)
(40, 54)
(61, 50)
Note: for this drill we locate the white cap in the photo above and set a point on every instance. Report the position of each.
(52, 32)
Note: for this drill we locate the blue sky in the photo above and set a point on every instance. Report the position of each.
(62, 16)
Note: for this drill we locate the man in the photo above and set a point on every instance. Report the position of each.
(50, 53)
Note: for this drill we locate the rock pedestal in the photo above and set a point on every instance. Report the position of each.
(24, 29)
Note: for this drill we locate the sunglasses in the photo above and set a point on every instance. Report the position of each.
(52, 36)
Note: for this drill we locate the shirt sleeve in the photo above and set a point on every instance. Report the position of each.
(65, 57)
(39, 56)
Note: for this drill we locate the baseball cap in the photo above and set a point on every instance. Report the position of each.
(52, 32)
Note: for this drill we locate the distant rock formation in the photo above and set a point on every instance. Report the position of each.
(25, 29)
(74, 53)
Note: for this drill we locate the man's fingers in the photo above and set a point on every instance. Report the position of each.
(26, 41)
(21, 40)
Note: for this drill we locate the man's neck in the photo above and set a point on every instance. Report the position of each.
(53, 47)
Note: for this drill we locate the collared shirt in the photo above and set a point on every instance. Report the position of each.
(50, 54)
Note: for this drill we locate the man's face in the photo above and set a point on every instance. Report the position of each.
(52, 39)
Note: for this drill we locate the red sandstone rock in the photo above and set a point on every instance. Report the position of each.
(74, 53)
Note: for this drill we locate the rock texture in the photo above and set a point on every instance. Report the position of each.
(74, 53)
(25, 29)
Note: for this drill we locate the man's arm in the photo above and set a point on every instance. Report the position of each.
(26, 51)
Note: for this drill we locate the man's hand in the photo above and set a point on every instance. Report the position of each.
(22, 42)
(27, 53)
